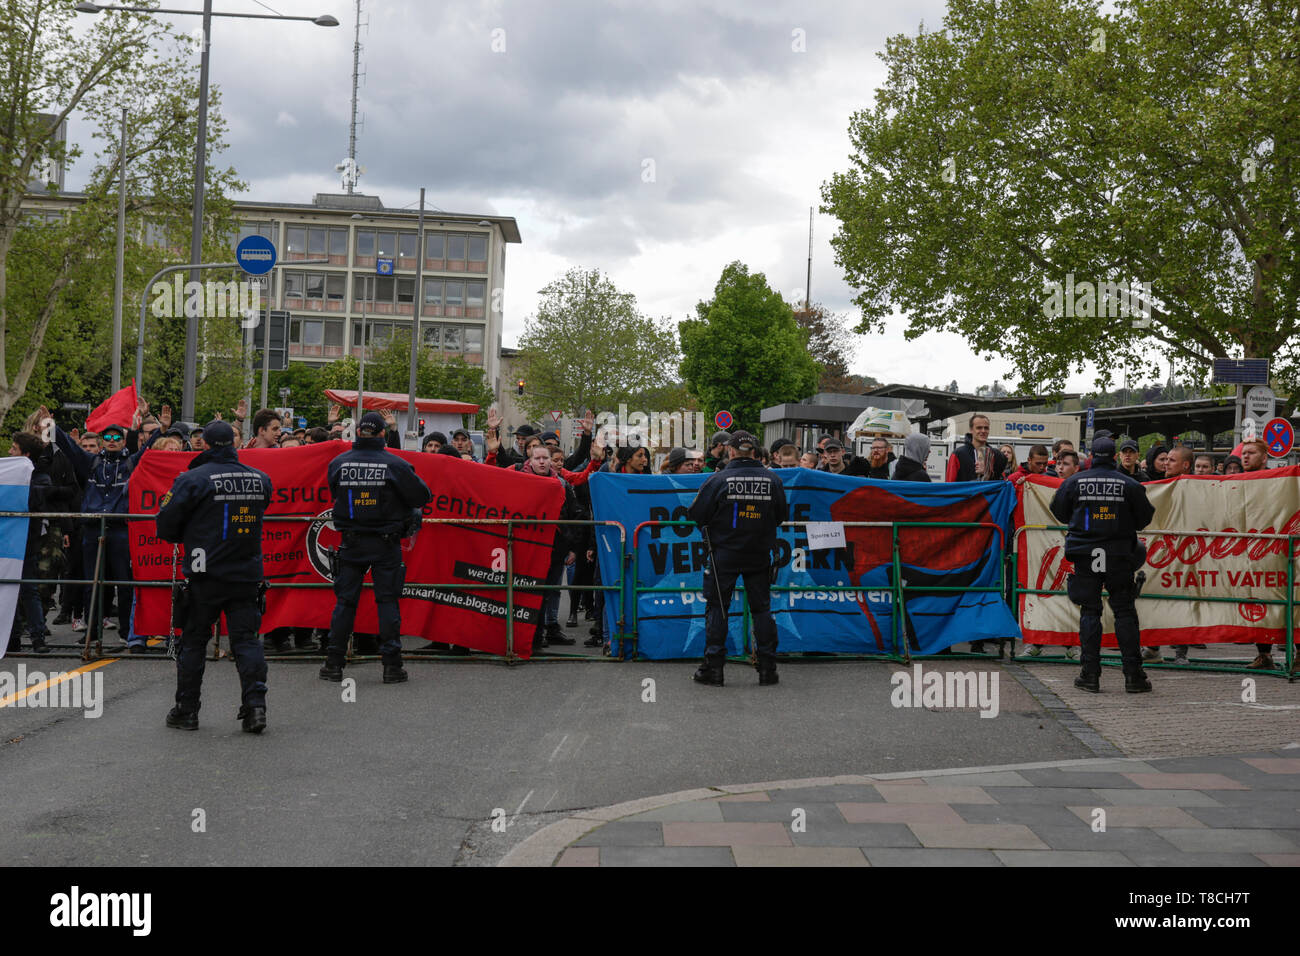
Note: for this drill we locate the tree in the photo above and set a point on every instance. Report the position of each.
(56, 278)
(826, 335)
(389, 370)
(1031, 143)
(744, 351)
(589, 348)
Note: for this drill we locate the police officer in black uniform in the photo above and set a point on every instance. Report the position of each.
(1105, 509)
(378, 499)
(738, 511)
(215, 510)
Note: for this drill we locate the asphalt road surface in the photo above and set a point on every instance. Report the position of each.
(414, 773)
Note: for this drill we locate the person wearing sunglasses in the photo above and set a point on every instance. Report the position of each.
(104, 477)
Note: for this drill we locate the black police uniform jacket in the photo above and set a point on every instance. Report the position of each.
(215, 509)
(741, 507)
(1104, 508)
(375, 492)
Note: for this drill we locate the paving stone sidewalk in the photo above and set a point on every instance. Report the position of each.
(1229, 810)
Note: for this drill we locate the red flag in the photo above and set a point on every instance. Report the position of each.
(118, 409)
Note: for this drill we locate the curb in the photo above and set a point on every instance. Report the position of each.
(544, 847)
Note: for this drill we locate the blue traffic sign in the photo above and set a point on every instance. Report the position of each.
(1279, 436)
(722, 420)
(1092, 414)
(255, 255)
(384, 267)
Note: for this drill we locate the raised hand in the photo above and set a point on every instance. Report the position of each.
(493, 418)
(333, 415)
(390, 417)
(240, 411)
(165, 417)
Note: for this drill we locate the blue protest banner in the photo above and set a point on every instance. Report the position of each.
(857, 620)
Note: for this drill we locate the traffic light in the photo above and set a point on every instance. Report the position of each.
(422, 427)
(521, 386)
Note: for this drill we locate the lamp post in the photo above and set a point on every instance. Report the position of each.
(411, 429)
(200, 161)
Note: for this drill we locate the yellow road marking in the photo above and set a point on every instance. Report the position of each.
(66, 675)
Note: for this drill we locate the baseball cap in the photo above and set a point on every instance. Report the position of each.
(218, 433)
(779, 444)
(525, 431)
(833, 443)
(372, 422)
(550, 436)
(460, 433)
(675, 457)
(742, 440)
(1128, 444)
(113, 427)
(719, 438)
(1105, 447)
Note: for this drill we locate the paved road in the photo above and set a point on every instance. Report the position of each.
(411, 774)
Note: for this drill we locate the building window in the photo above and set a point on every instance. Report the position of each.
(334, 290)
(474, 292)
(316, 338)
(338, 247)
(296, 242)
(477, 253)
(293, 283)
(456, 253)
(408, 247)
(432, 297)
(453, 299)
(405, 296)
(316, 243)
(435, 251)
(474, 344)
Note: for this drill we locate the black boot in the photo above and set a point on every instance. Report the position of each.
(573, 618)
(331, 670)
(767, 675)
(556, 636)
(39, 646)
(395, 673)
(182, 720)
(1089, 681)
(254, 719)
(708, 675)
(1135, 681)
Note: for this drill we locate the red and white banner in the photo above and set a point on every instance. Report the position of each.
(1209, 565)
(296, 551)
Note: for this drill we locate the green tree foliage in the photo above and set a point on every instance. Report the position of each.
(744, 351)
(589, 348)
(389, 370)
(1033, 139)
(56, 278)
(826, 337)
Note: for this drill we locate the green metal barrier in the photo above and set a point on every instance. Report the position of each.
(900, 652)
(1198, 664)
(98, 583)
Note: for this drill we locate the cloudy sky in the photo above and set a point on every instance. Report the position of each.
(558, 112)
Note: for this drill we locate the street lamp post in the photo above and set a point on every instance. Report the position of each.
(415, 320)
(200, 162)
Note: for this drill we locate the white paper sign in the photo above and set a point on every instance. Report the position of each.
(823, 535)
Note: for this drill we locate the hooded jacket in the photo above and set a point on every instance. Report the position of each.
(911, 466)
(103, 476)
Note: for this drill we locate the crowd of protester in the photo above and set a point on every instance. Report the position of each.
(87, 472)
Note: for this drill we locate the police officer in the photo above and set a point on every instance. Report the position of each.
(378, 499)
(215, 510)
(738, 511)
(1104, 509)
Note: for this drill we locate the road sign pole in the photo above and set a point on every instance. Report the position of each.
(1237, 416)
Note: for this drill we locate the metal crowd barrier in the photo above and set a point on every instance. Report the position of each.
(625, 637)
(1199, 664)
(99, 584)
(899, 588)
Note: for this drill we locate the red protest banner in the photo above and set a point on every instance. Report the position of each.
(1199, 563)
(296, 552)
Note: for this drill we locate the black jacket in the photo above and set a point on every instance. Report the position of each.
(215, 510)
(741, 508)
(908, 470)
(965, 456)
(1104, 508)
(375, 492)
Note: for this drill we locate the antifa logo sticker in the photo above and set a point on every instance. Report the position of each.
(1251, 612)
(322, 537)
(165, 498)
